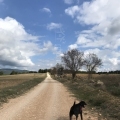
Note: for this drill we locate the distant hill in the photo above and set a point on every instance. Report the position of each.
(8, 71)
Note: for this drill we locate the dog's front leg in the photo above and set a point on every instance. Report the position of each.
(81, 116)
(76, 117)
(70, 117)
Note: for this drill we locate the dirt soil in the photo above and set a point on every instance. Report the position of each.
(49, 100)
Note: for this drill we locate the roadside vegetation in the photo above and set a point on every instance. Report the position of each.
(12, 86)
(99, 90)
(102, 92)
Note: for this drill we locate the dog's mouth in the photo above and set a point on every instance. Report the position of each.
(84, 105)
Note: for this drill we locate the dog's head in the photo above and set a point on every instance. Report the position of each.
(82, 104)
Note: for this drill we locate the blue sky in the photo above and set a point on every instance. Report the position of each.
(35, 33)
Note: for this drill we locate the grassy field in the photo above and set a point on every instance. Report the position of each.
(101, 92)
(14, 85)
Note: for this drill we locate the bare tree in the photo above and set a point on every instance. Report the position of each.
(53, 71)
(73, 60)
(92, 62)
(59, 69)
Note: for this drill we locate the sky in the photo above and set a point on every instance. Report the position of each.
(35, 33)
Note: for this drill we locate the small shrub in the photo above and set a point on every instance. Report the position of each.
(114, 90)
(97, 101)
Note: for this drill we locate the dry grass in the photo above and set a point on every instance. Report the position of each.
(111, 82)
(106, 97)
(14, 85)
(13, 80)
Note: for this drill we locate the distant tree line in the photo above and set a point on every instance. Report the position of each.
(32, 72)
(14, 72)
(110, 72)
(39, 71)
(1, 73)
(43, 70)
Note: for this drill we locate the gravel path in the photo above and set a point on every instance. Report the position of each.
(49, 100)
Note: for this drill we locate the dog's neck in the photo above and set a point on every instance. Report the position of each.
(80, 108)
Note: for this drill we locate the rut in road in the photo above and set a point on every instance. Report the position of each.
(49, 100)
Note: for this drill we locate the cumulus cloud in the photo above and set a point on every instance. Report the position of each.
(104, 18)
(48, 46)
(53, 26)
(17, 46)
(14, 41)
(46, 10)
(95, 11)
(73, 11)
(73, 46)
(110, 58)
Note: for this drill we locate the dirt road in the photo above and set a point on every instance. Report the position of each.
(49, 100)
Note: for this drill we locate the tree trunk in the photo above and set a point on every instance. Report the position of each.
(89, 75)
(73, 74)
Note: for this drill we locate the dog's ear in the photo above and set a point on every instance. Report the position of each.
(74, 103)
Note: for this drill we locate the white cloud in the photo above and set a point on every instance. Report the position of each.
(68, 1)
(46, 10)
(95, 12)
(104, 34)
(73, 46)
(114, 61)
(17, 46)
(109, 58)
(14, 42)
(13, 30)
(47, 46)
(82, 39)
(72, 11)
(52, 26)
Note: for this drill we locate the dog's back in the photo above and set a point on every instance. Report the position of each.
(76, 109)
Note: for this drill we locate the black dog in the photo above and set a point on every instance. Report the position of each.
(77, 109)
